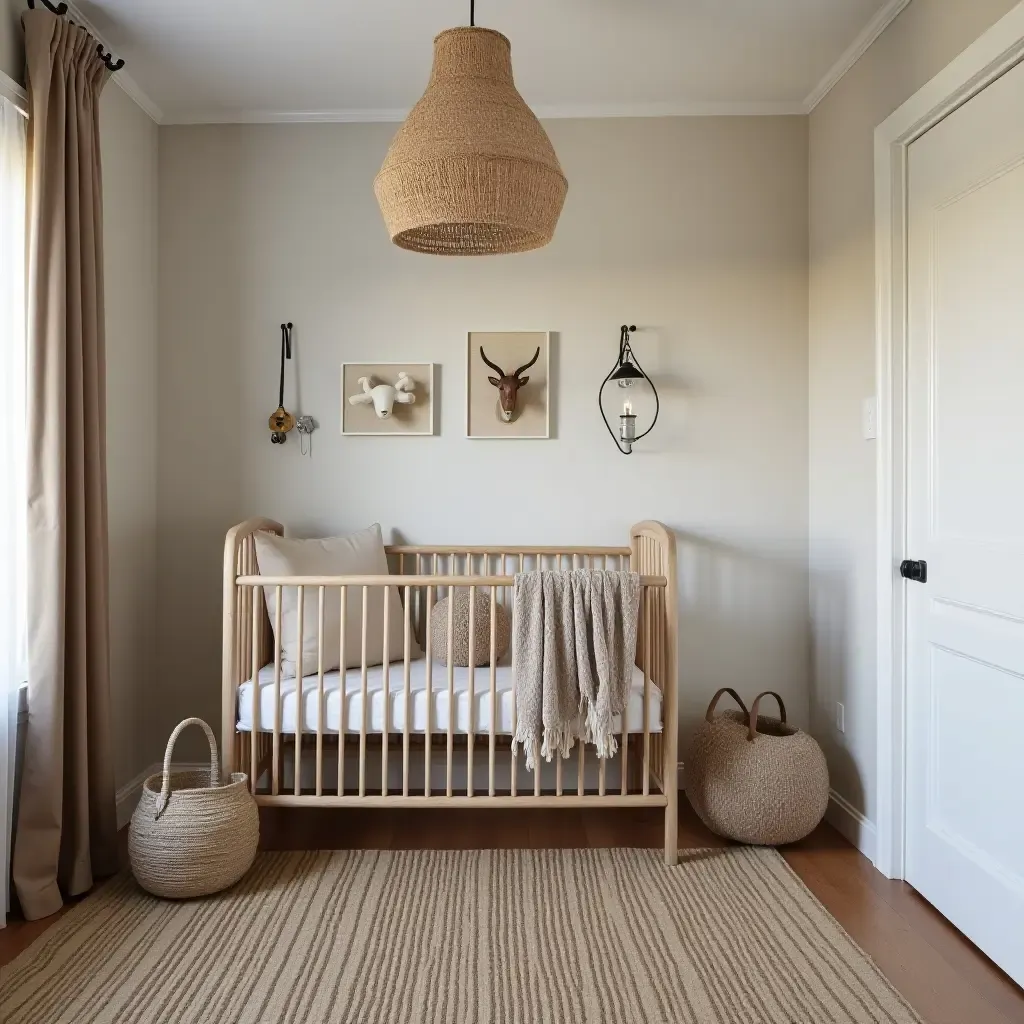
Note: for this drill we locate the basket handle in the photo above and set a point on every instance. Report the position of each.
(714, 701)
(165, 785)
(754, 706)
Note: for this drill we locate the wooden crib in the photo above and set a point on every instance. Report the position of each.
(380, 739)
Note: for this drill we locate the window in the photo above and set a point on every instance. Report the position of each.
(12, 462)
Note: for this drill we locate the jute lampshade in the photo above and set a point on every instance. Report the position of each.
(471, 172)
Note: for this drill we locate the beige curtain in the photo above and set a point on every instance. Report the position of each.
(67, 830)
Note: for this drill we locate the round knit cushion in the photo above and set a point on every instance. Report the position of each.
(766, 791)
(482, 633)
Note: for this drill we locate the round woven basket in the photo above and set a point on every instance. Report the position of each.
(460, 630)
(755, 778)
(191, 836)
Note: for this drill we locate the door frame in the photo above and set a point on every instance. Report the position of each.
(991, 56)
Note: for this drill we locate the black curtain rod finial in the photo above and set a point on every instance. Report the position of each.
(108, 59)
(59, 9)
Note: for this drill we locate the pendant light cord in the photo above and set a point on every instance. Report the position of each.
(472, 13)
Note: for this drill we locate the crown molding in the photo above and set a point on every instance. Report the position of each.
(743, 108)
(545, 113)
(14, 92)
(853, 53)
(215, 116)
(121, 78)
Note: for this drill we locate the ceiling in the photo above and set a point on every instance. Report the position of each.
(368, 60)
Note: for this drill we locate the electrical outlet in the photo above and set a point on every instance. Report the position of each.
(870, 419)
(840, 717)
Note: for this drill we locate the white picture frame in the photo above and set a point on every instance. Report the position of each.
(416, 420)
(532, 422)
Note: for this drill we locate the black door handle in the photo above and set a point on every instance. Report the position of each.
(916, 571)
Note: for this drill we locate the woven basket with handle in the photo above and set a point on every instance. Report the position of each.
(191, 836)
(756, 778)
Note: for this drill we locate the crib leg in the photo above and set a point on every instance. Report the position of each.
(671, 815)
(672, 832)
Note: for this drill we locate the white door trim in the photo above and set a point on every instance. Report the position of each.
(992, 55)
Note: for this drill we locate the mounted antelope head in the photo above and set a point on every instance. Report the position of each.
(384, 396)
(508, 384)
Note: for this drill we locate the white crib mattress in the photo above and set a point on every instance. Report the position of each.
(438, 705)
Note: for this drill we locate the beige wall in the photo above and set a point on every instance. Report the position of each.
(919, 43)
(12, 48)
(694, 229)
(129, 140)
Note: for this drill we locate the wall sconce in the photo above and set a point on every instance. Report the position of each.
(627, 373)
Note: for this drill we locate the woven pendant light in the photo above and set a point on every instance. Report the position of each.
(471, 172)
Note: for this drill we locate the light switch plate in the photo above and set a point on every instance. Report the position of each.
(870, 419)
(840, 717)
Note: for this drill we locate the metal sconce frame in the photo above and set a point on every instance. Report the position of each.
(626, 372)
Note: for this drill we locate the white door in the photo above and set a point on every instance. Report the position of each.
(965, 625)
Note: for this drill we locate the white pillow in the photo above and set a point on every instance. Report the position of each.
(361, 554)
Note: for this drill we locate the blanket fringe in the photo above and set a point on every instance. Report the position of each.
(555, 741)
(598, 730)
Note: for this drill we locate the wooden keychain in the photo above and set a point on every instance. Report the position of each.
(281, 420)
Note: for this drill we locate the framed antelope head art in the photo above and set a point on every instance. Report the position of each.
(509, 380)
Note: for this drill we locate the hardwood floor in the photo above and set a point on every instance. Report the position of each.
(944, 977)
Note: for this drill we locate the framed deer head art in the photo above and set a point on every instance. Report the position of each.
(387, 399)
(508, 385)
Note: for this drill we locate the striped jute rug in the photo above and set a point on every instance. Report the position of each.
(729, 936)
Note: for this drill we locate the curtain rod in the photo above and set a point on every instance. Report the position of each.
(60, 10)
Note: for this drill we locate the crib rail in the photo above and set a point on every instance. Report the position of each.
(395, 761)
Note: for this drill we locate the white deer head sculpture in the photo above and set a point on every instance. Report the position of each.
(384, 396)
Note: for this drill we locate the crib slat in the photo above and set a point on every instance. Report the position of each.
(602, 776)
(407, 709)
(254, 725)
(276, 785)
(420, 597)
(471, 691)
(320, 693)
(494, 701)
(581, 754)
(514, 757)
(362, 717)
(246, 621)
(342, 694)
(646, 626)
(624, 748)
(451, 686)
(300, 668)
(536, 768)
(385, 678)
(429, 685)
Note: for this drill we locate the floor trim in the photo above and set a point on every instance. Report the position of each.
(851, 825)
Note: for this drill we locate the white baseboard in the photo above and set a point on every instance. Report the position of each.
(128, 795)
(852, 825)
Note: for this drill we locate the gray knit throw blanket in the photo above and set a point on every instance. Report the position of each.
(573, 649)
